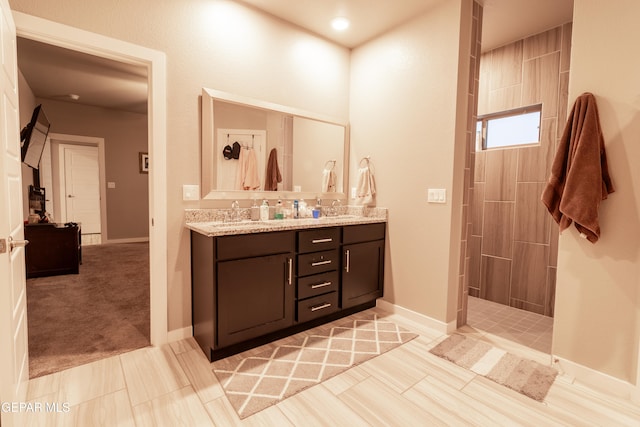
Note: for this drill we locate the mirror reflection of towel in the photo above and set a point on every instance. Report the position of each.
(328, 181)
(366, 189)
(247, 172)
(273, 176)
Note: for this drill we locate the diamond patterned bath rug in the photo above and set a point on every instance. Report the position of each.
(261, 377)
(524, 376)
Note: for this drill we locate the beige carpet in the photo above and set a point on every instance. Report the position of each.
(261, 377)
(524, 376)
(103, 311)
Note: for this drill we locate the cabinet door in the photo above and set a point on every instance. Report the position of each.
(362, 272)
(255, 297)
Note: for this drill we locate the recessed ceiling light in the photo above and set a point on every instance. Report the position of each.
(340, 24)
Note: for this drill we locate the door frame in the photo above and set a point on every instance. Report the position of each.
(42, 30)
(65, 140)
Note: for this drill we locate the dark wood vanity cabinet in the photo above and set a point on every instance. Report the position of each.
(249, 289)
(363, 263)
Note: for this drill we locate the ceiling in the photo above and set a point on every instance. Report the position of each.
(56, 73)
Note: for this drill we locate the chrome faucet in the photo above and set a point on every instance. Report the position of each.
(235, 211)
(335, 206)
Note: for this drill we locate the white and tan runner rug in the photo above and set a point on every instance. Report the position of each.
(261, 377)
(524, 376)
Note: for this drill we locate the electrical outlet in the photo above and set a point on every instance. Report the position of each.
(190, 192)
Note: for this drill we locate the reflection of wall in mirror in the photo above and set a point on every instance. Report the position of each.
(320, 142)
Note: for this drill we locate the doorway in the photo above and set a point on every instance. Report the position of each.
(54, 174)
(49, 32)
(513, 242)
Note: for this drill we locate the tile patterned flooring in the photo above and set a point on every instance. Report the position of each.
(173, 385)
(523, 327)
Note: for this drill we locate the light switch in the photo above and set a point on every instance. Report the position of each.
(353, 192)
(190, 192)
(437, 195)
(111, 184)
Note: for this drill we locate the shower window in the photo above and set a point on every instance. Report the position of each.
(509, 128)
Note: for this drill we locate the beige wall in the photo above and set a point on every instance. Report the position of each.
(597, 302)
(221, 45)
(404, 114)
(125, 135)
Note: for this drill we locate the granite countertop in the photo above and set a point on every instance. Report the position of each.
(200, 221)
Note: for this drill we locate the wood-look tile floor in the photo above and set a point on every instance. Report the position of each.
(407, 386)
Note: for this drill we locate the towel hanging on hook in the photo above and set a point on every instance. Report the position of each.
(329, 177)
(366, 188)
(330, 165)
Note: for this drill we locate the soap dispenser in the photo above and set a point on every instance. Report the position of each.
(255, 211)
(264, 211)
(279, 210)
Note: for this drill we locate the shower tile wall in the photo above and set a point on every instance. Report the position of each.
(513, 245)
(470, 163)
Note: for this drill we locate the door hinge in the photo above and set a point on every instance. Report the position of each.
(3, 246)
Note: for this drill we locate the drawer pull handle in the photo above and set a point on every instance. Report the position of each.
(321, 306)
(320, 285)
(314, 241)
(348, 263)
(317, 263)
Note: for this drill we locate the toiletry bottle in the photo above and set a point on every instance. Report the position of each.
(279, 212)
(295, 209)
(302, 209)
(255, 211)
(318, 208)
(288, 210)
(264, 211)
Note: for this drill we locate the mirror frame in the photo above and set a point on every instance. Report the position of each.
(207, 171)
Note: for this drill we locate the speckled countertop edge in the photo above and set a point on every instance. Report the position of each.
(207, 221)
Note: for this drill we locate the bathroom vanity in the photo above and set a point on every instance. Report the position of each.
(256, 282)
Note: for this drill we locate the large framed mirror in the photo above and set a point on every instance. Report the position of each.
(256, 149)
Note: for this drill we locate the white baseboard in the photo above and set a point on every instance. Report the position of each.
(179, 334)
(445, 328)
(131, 240)
(597, 380)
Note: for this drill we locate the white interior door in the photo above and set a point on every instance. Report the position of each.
(14, 359)
(82, 187)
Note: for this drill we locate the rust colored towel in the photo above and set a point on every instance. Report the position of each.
(579, 175)
(273, 172)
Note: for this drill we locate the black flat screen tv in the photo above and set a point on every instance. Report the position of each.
(33, 137)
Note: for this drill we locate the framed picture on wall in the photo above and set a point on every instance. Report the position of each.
(143, 161)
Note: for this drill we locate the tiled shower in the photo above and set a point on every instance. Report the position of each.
(513, 243)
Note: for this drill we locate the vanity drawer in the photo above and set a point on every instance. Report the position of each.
(317, 262)
(315, 307)
(363, 233)
(317, 284)
(255, 244)
(320, 239)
